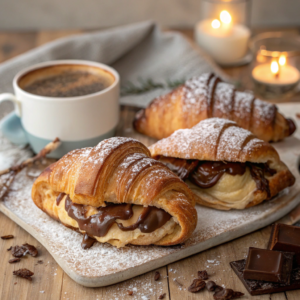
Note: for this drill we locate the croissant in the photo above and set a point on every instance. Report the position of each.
(226, 166)
(206, 97)
(116, 193)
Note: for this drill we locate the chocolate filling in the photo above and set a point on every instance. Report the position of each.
(99, 224)
(206, 174)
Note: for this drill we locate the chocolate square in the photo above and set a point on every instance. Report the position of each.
(258, 287)
(286, 238)
(267, 265)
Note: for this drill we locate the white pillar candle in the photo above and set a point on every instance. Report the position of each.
(226, 44)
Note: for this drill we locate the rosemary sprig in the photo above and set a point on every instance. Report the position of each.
(147, 85)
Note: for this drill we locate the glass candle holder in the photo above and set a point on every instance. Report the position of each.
(275, 69)
(223, 30)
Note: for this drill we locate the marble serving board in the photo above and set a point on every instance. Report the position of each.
(104, 264)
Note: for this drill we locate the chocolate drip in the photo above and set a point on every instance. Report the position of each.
(210, 172)
(99, 224)
(207, 173)
(182, 167)
(59, 198)
(258, 172)
(149, 220)
(87, 242)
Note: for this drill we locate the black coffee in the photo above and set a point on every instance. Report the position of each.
(66, 81)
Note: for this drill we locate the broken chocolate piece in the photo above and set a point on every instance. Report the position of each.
(211, 285)
(30, 249)
(267, 265)
(218, 288)
(7, 237)
(9, 248)
(286, 238)
(24, 273)
(197, 285)
(130, 293)
(258, 287)
(17, 251)
(227, 294)
(14, 260)
(203, 275)
(156, 276)
(162, 296)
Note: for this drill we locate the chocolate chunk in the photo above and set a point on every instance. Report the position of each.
(30, 249)
(17, 251)
(7, 237)
(24, 273)
(267, 265)
(286, 238)
(237, 295)
(203, 275)
(14, 260)
(162, 296)
(9, 248)
(197, 285)
(211, 285)
(156, 276)
(258, 287)
(298, 115)
(227, 294)
(130, 293)
(218, 288)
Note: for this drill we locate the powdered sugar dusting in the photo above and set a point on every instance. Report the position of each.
(211, 139)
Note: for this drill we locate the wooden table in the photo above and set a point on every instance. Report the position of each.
(50, 282)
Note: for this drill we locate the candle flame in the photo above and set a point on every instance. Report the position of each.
(282, 60)
(225, 17)
(215, 24)
(275, 68)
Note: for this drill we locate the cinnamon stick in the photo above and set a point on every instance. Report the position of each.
(46, 150)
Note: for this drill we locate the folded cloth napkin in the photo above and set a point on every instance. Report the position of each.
(140, 52)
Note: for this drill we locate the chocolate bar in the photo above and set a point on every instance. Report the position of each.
(286, 238)
(267, 265)
(259, 287)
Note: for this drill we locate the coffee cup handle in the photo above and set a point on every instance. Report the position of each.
(11, 125)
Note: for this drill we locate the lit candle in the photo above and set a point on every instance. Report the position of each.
(226, 42)
(276, 79)
(278, 73)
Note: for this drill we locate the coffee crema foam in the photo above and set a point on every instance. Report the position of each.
(66, 80)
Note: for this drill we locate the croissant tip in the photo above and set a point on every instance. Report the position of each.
(291, 126)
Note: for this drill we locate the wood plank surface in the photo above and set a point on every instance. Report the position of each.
(50, 282)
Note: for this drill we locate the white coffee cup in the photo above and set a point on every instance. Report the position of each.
(78, 122)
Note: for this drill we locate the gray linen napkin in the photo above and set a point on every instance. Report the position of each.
(138, 52)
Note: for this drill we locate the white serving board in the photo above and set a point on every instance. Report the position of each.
(104, 264)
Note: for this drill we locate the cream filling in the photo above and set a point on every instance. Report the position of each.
(235, 191)
(116, 236)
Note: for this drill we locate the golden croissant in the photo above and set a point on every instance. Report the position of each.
(116, 193)
(227, 167)
(206, 97)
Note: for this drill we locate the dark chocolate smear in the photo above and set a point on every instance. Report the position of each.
(99, 224)
(87, 242)
(206, 174)
(209, 173)
(149, 220)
